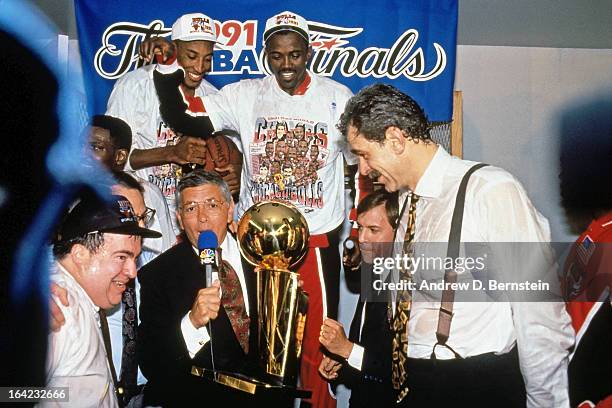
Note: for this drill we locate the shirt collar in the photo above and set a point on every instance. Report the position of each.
(430, 184)
(229, 245)
(72, 282)
(302, 89)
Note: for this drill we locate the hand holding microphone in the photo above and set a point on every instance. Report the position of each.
(208, 300)
(206, 305)
(351, 254)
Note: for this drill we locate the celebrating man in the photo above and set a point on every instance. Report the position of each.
(156, 149)
(110, 140)
(363, 361)
(95, 251)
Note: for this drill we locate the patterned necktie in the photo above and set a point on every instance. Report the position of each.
(232, 300)
(399, 326)
(129, 366)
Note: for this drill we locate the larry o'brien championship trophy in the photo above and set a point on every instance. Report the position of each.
(273, 236)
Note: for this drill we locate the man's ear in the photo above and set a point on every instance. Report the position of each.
(121, 156)
(230, 212)
(179, 219)
(395, 139)
(80, 254)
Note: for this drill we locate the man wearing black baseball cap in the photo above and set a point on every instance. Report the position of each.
(95, 253)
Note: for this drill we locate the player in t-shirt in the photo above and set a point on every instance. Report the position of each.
(157, 151)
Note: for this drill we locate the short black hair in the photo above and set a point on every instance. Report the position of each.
(378, 107)
(380, 197)
(287, 32)
(92, 241)
(120, 132)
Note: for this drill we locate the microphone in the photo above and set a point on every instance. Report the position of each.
(351, 257)
(207, 245)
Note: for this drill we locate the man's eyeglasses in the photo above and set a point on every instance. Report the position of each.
(147, 216)
(212, 206)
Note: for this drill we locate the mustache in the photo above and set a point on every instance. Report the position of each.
(374, 174)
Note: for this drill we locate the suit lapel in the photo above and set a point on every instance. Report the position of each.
(356, 323)
(250, 278)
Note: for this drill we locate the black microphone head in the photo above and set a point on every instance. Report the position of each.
(207, 245)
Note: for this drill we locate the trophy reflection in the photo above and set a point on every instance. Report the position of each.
(274, 237)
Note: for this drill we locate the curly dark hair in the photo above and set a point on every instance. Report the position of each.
(378, 107)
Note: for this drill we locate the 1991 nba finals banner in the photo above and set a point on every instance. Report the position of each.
(409, 44)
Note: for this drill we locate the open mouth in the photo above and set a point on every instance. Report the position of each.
(193, 77)
(287, 75)
(120, 285)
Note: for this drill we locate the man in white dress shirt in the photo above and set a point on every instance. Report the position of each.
(480, 365)
(129, 187)
(95, 250)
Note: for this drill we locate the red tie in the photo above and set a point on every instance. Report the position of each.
(232, 300)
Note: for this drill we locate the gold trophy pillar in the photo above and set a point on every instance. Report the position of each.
(274, 237)
(282, 309)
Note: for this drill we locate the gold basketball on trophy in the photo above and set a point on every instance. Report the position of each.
(274, 237)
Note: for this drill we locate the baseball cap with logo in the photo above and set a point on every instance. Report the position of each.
(194, 27)
(286, 21)
(92, 214)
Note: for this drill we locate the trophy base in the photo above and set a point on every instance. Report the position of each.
(248, 384)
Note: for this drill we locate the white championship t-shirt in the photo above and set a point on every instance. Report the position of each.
(135, 100)
(293, 151)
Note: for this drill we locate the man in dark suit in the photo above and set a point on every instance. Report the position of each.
(363, 361)
(176, 306)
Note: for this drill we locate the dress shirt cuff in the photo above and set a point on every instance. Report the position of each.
(194, 338)
(355, 359)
